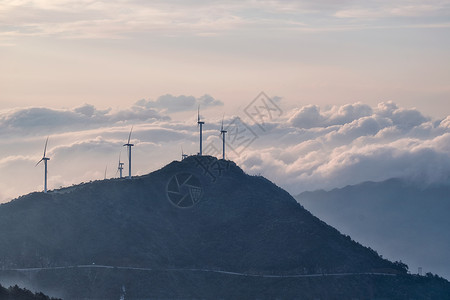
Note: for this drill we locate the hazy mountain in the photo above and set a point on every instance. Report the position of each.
(200, 228)
(399, 219)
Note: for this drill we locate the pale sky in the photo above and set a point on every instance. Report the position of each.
(363, 87)
(110, 54)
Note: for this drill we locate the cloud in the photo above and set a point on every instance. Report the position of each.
(169, 103)
(38, 119)
(384, 9)
(307, 148)
(310, 116)
(115, 19)
(307, 117)
(349, 144)
(120, 19)
(362, 127)
(445, 123)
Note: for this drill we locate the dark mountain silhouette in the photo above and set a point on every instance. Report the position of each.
(400, 219)
(17, 293)
(195, 229)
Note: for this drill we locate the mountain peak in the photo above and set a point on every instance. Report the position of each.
(200, 213)
(191, 202)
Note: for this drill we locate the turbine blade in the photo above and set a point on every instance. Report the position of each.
(198, 114)
(45, 147)
(221, 128)
(129, 136)
(39, 162)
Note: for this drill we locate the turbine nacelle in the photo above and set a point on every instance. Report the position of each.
(201, 128)
(222, 131)
(129, 138)
(45, 159)
(198, 117)
(183, 155)
(45, 151)
(222, 134)
(129, 145)
(119, 167)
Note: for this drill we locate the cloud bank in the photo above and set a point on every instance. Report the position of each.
(307, 148)
(40, 119)
(32, 120)
(353, 143)
(169, 103)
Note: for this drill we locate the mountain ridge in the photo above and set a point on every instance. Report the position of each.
(199, 213)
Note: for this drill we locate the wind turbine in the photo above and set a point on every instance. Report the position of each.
(201, 128)
(120, 167)
(222, 133)
(183, 156)
(45, 159)
(106, 169)
(129, 153)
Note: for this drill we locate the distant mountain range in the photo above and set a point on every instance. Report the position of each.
(400, 219)
(196, 229)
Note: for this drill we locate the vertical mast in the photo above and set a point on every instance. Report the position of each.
(201, 129)
(223, 145)
(45, 175)
(129, 161)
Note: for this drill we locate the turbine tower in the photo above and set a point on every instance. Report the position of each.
(129, 153)
(222, 133)
(45, 159)
(201, 128)
(120, 168)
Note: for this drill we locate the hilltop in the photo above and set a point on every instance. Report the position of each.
(199, 228)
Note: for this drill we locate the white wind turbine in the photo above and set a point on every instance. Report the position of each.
(129, 153)
(183, 156)
(120, 168)
(222, 133)
(201, 128)
(45, 159)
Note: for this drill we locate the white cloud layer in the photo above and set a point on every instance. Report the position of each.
(353, 143)
(34, 120)
(39, 119)
(305, 149)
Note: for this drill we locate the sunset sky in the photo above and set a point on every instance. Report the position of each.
(84, 71)
(113, 53)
